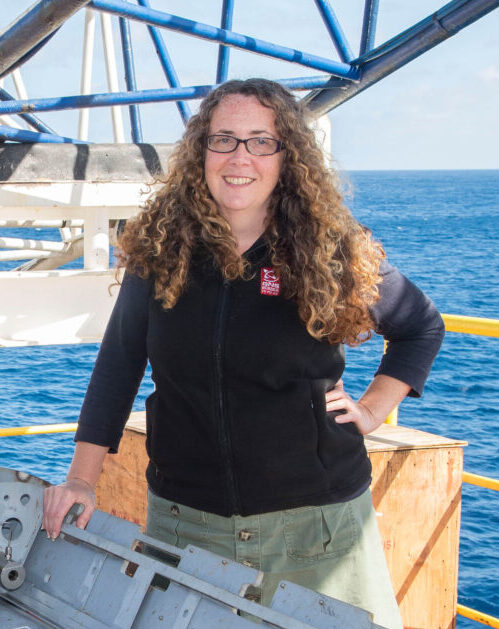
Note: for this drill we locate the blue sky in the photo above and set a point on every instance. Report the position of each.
(439, 111)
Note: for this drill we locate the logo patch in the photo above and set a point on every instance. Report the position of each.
(269, 282)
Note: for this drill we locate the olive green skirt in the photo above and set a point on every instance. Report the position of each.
(333, 549)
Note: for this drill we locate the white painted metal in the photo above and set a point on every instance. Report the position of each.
(68, 211)
(38, 224)
(70, 200)
(41, 306)
(322, 130)
(28, 243)
(39, 312)
(96, 241)
(10, 122)
(54, 260)
(9, 256)
(66, 234)
(86, 70)
(112, 75)
(22, 94)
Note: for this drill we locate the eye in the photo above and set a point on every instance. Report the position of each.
(265, 141)
(222, 140)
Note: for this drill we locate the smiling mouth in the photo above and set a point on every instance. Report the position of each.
(238, 181)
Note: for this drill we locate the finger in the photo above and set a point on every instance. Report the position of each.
(48, 499)
(340, 404)
(57, 512)
(346, 418)
(85, 516)
(336, 394)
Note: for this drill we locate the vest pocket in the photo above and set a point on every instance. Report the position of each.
(315, 533)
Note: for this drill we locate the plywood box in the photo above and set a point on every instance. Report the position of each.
(416, 493)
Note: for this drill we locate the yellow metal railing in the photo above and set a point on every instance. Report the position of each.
(472, 614)
(484, 327)
(481, 481)
(462, 610)
(471, 325)
(40, 429)
(465, 325)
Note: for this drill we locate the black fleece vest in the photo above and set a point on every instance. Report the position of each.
(237, 423)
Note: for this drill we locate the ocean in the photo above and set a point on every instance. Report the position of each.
(439, 228)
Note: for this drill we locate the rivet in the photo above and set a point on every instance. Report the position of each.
(174, 509)
(224, 562)
(321, 602)
(283, 586)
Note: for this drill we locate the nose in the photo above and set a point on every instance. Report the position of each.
(240, 154)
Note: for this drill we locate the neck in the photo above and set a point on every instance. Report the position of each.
(246, 229)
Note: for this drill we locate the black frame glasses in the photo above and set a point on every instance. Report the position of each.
(255, 146)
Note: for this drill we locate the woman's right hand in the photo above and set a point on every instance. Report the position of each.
(58, 500)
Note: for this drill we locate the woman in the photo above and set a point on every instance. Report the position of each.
(244, 276)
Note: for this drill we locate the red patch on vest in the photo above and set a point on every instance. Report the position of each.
(269, 282)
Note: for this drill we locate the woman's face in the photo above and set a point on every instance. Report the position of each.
(238, 181)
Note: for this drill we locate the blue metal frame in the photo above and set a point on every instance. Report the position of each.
(192, 92)
(224, 51)
(401, 49)
(32, 28)
(131, 83)
(228, 38)
(335, 31)
(22, 135)
(32, 120)
(369, 26)
(344, 78)
(167, 65)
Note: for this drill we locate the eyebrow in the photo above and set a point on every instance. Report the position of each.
(253, 132)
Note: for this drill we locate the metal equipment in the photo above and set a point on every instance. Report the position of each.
(111, 576)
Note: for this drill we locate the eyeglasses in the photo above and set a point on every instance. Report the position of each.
(256, 146)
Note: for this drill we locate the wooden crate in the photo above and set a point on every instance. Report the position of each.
(416, 493)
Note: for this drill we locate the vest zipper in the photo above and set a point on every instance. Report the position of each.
(224, 435)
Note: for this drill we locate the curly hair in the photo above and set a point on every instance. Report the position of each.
(327, 262)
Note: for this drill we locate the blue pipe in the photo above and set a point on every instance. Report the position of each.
(167, 65)
(229, 38)
(305, 82)
(141, 96)
(32, 120)
(59, 103)
(335, 31)
(131, 83)
(369, 26)
(399, 50)
(32, 27)
(22, 135)
(223, 51)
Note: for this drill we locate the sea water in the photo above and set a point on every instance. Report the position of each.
(440, 229)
